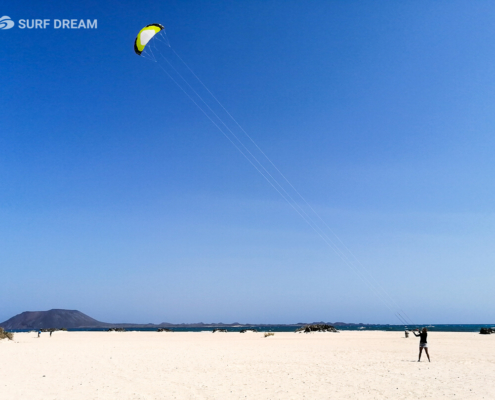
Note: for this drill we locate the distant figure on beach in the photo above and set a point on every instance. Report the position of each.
(51, 333)
(422, 342)
(406, 333)
(39, 332)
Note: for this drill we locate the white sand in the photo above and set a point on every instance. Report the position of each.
(150, 365)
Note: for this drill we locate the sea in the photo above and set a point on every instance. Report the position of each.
(292, 328)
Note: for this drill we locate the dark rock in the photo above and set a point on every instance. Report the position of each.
(219, 330)
(487, 331)
(164, 330)
(116, 330)
(317, 328)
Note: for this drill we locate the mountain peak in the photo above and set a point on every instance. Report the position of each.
(55, 318)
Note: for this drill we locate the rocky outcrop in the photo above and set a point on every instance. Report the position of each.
(116, 330)
(317, 328)
(487, 331)
(164, 330)
(219, 330)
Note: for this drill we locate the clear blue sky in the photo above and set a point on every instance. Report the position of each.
(120, 199)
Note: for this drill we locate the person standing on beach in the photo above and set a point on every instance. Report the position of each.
(422, 343)
(39, 332)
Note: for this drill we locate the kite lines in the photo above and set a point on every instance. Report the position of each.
(152, 44)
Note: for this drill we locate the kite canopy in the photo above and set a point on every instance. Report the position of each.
(145, 35)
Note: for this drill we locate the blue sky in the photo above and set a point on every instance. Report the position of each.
(120, 199)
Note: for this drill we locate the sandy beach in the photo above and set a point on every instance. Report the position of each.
(203, 365)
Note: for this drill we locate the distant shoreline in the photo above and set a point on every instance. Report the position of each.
(74, 320)
(278, 328)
